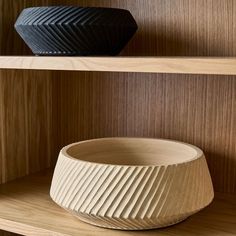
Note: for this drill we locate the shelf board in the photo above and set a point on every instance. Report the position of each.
(182, 65)
(26, 208)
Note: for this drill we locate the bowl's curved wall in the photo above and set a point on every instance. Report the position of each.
(131, 197)
(68, 30)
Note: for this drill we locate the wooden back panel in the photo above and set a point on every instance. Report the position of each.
(192, 108)
(50, 109)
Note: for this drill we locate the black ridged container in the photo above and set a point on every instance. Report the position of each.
(71, 31)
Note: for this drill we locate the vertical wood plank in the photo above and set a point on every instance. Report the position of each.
(26, 123)
(195, 109)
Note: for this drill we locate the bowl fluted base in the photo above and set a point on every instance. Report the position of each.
(130, 224)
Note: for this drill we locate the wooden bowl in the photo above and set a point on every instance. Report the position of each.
(71, 30)
(131, 183)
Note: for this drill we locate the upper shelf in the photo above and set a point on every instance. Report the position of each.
(176, 65)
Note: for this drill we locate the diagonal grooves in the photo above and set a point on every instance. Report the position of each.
(115, 194)
(60, 169)
(156, 182)
(58, 182)
(169, 184)
(72, 30)
(77, 38)
(192, 187)
(45, 40)
(98, 33)
(50, 39)
(145, 191)
(59, 28)
(62, 180)
(172, 205)
(116, 176)
(122, 191)
(89, 33)
(151, 195)
(77, 14)
(46, 17)
(90, 190)
(90, 24)
(42, 28)
(80, 28)
(106, 195)
(150, 191)
(63, 42)
(84, 187)
(34, 17)
(80, 19)
(36, 36)
(200, 185)
(29, 17)
(159, 194)
(130, 192)
(66, 182)
(66, 36)
(84, 175)
(185, 204)
(71, 26)
(185, 183)
(69, 186)
(55, 178)
(54, 20)
(135, 199)
(105, 182)
(82, 170)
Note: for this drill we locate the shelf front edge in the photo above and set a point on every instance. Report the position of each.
(176, 65)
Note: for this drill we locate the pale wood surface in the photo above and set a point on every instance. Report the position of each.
(181, 65)
(132, 183)
(26, 208)
(195, 109)
(25, 106)
(190, 108)
(142, 105)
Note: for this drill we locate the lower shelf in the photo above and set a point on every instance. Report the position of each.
(26, 208)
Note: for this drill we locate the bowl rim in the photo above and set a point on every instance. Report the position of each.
(76, 7)
(199, 152)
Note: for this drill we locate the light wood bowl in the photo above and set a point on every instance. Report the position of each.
(131, 183)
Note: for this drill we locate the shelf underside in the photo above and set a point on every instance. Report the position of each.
(178, 65)
(26, 208)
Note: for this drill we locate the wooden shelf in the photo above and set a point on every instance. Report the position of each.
(27, 209)
(183, 65)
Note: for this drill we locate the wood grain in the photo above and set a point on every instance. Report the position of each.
(191, 108)
(27, 209)
(176, 65)
(25, 106)
(197, 109)
(194, 109)
(129, 183)
(203, 35)
(26, 123)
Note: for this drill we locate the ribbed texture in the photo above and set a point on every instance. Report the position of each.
(126, 197)
(75, 30)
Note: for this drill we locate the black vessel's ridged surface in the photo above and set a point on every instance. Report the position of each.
(65, 30)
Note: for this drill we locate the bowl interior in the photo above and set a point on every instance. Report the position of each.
(133, 151)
